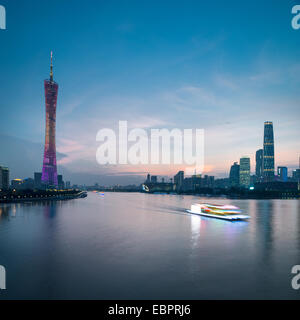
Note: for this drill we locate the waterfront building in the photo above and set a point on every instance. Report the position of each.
(37, 180)
(28, 184)
(296, 175)
(259, 163)
(16, 184)
(234, 175)
(223, 183)
(60, 182)
(282, 173)
(268, 153)
(4, 178)
(68, 184)
(148, 178)
(153, 179)
(178, 181)
(207, 182)
(49, 173)
(279, 186)
(245, 172)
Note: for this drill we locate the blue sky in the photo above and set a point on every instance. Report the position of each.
(222, 66)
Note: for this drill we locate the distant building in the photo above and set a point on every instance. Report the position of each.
(296, 175)
(60, 182)
(4, 178)
(223, 183)
(178, 181)
(282, 173)
(27, 184)
(207, 182)
(234, 175)
(37, 180)
(196, 182)
(16, 184)
(245, 172)
(259, 163)
(148, 178)
(68, 185)
(268, 154)
(188, 184)
(153, 179)
(279, 186)
(253, 180)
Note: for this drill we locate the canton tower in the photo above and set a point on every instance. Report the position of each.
(49, 173)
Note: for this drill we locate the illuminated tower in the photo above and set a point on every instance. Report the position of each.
(268, 166)
(49, 174)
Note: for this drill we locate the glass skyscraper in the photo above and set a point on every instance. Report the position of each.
(245, 172)
(49, 173)
(268, 165)
(259, 163)
(234, 175)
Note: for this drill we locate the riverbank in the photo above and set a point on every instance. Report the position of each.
(13, 196)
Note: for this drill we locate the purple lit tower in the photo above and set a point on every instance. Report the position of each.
(49, 175)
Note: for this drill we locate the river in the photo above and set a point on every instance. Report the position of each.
(145, 246)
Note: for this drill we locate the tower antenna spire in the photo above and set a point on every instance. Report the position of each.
(51, 69)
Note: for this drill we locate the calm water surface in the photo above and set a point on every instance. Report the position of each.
(141, 246)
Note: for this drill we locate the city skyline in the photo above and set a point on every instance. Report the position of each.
(203, 76)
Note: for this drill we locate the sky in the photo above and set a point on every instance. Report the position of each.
(225, 67)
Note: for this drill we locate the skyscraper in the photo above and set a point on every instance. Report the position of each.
(245, 172)
(259, 163)
(268, 168)
(178, 180)
(49, 174)
(234, 175)
(4, 177)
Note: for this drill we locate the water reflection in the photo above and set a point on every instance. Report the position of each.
(4, 211)
(264, 228)
(195, 229)
(50, 210)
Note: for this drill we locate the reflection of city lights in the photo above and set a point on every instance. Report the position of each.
(195, 228)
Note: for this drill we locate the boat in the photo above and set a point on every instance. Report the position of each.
(224, 212)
